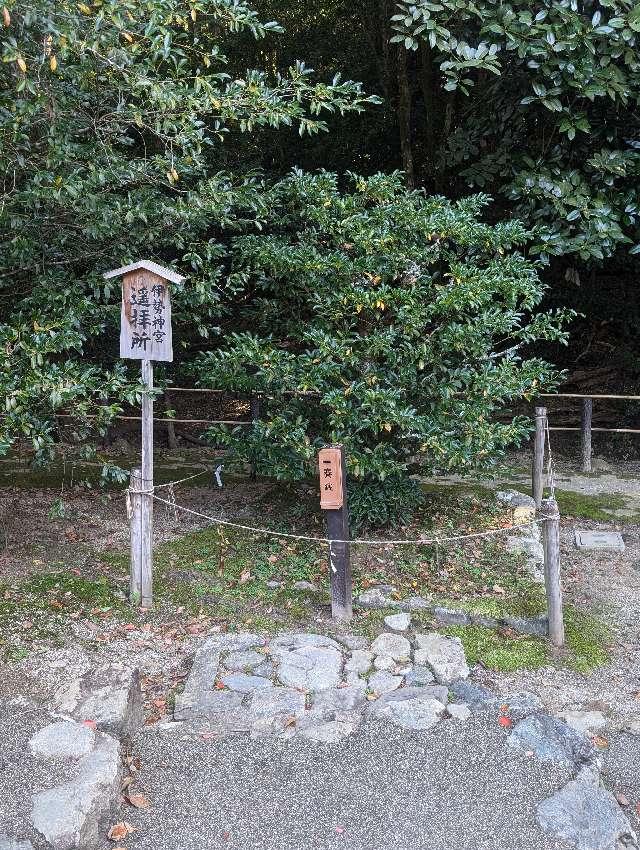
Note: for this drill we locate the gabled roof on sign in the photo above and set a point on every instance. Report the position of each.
(150, 266)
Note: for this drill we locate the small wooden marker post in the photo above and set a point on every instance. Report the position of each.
(333, 501)
(587, 411)
(145, 334)
(551, 542)
(537, 472)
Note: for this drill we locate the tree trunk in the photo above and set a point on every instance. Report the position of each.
(404, 117)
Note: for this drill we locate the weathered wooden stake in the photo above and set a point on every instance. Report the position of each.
(254, 408)
(171, 428)
(551, 542)
(537, 472)
(135, 525)
(587, 411)
(333, 500)
(146, 575)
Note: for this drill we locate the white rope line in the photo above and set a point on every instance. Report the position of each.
(364, 541)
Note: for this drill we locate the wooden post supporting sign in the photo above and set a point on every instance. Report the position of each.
(333, 501)
(145, 335)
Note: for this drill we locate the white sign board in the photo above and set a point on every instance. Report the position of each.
(145, 317)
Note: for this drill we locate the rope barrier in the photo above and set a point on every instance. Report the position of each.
(360, 541)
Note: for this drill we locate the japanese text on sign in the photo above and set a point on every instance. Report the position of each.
(146, 318)
(331, 486)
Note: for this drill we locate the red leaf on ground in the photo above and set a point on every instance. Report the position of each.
(91, 724)
(138, 801)
(120, 830)
(505, 722)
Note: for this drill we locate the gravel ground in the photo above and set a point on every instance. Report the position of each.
(21, 774)
(621, 773)
(459, 786)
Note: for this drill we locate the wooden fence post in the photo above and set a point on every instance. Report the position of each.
(551, 542)
(135, 526)
(333, 501)
(171, 428)
(254, 409)
(587, 411)
(537, 473)
(146, 545)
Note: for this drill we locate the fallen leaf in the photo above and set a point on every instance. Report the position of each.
(339, 830)
(245, 576)
(620, 797)
(600, 742)
(226, 835)
(505, 722)
(120, 830)
(272, 559)
(90, 724)
(138, 801)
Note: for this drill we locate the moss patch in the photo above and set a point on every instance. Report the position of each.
(586, 645)
(599, 507)
(40, 609)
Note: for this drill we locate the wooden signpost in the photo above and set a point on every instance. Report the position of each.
(145, 335)
(333, 501)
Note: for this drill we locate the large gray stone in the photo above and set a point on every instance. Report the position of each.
(515, 499)
(384, 662)
(272, 702)
(247, 659)
(451, 616)
(383, 682)
(410, 708)
(599, 541)
(536, 626)
(313, 668)
(374, 598)
(72, 816)
(416, 603)
(586, 815)
(200, 684)
(586, 722)
(395, 646)
(234, 641)
(244, 683)
(459, 711)
(398, 622)
(109, 695)
(419, 676)
(353, 642)
(360, 661)
(207, 704)
(445, 656)
(8, 843)
(521, 705)
(551, 740)
(64, 740)
(300, 640)
(351, 698)
(474, 695)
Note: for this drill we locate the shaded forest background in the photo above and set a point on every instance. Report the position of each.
(455, 142)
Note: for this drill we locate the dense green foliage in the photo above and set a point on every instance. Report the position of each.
(111, 117)
(536, 104)
(385, 320)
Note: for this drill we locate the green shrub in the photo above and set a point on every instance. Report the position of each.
(402, 317)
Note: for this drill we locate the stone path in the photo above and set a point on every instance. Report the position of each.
(300, 742)
(366, 746)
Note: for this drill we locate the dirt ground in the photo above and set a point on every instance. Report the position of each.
(64, 580)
